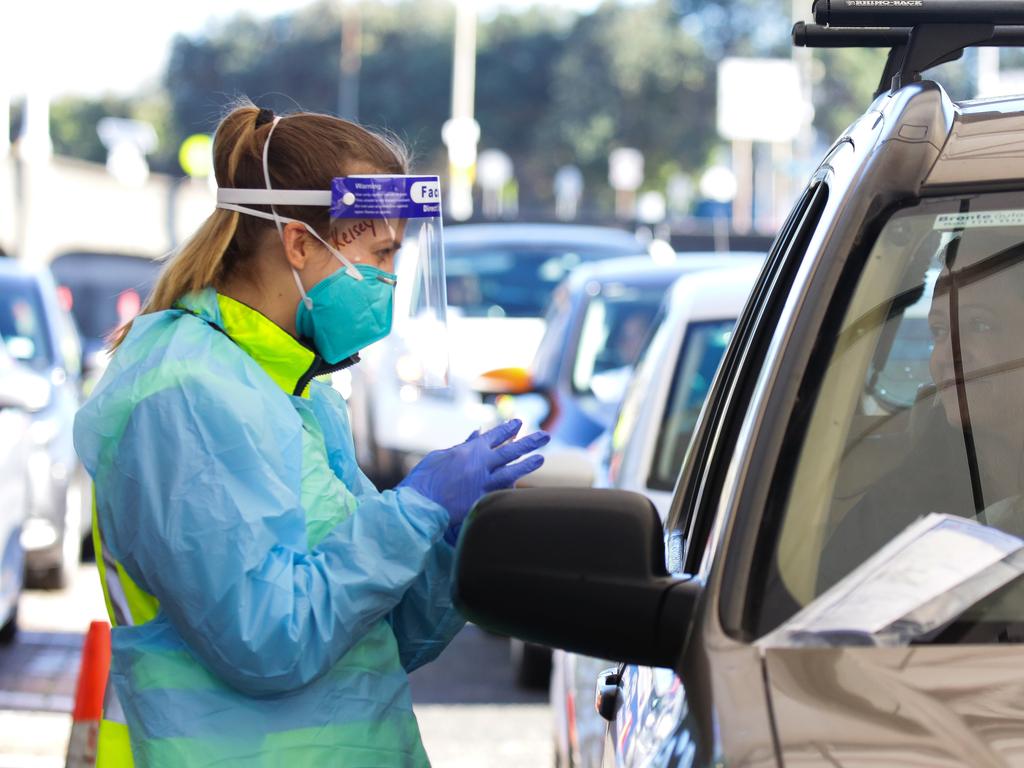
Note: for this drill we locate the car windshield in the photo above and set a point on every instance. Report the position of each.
(920, 408)
(485, 280)
(616, 322)
(702, 351)
(23, 324)
(103, 291)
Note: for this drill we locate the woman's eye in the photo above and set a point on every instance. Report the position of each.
(977, 325)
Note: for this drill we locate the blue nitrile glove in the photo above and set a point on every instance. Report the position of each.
(456, 477)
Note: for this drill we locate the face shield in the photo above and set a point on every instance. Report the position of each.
(370, 215)
(411, 207)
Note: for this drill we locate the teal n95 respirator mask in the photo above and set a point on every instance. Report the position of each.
(355, 306)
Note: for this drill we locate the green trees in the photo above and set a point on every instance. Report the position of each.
(552, 87)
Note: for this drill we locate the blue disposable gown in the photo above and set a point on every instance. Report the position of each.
(292, 596)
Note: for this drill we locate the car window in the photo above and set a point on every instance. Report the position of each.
(636, 395)
(703, 347)
(23, 323)
(920, 407)
(616, 322)
(511, 281)
(557, 323)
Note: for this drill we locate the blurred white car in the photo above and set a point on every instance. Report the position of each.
(499, 280)
(23, 393)
(647, 444)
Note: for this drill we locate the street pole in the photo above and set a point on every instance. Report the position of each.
(461, 133)
(350, 60)
(743, 168)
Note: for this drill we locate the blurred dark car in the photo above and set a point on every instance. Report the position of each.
(40, 335)
(21, 392)
(102, 292)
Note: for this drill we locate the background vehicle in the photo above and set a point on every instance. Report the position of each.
(799, 478)
(21, 392)
(499, 280)
(102, 291)
(599, 319)
(650, 436)
(41, 335)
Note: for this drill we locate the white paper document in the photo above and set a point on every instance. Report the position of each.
(918, 582)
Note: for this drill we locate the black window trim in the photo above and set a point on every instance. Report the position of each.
(704, 466)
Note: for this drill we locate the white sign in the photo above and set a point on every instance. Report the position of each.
(625, 169)
(719, 184)
(919, 581)
(460, 135)
(949, 221)
(760, 100)
(493, 169)
(650, 207)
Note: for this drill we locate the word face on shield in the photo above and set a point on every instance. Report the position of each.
(411, 206)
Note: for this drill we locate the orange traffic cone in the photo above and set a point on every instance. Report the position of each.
(92, 685)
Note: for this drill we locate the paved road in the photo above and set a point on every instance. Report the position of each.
(470, 711)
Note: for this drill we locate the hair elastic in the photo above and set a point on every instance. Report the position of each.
(264, 116)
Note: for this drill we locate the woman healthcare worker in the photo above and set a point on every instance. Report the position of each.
(267, 600)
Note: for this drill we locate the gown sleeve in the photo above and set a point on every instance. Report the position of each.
(209, 520)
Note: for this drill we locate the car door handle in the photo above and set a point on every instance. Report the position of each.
(608, 697)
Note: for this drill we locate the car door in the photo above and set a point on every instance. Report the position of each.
(671, 717)
(14, 491)
(889, 448)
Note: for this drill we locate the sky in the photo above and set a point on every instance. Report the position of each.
(118, 46)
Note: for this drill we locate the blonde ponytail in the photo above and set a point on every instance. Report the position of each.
(306, 154)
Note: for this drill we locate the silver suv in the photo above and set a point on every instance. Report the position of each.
(838, 581)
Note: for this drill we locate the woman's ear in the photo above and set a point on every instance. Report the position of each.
(299, 245)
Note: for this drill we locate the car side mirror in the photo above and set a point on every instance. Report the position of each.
(505, 381)
(531, 400)
(579, 569)
(562, 468)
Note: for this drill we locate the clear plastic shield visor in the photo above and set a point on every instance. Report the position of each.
(409, 206)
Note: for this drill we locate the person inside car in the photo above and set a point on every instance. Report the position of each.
(967, 453)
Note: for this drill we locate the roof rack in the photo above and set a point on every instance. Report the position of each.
(818, 36)
(920, 33)
(912, 13)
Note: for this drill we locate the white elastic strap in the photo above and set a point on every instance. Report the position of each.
(317, 197)
(350, 268)
(273, 211)
(266, 177)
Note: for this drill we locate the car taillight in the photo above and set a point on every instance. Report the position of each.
(128, 305)
(65, 297)
(570, 717)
